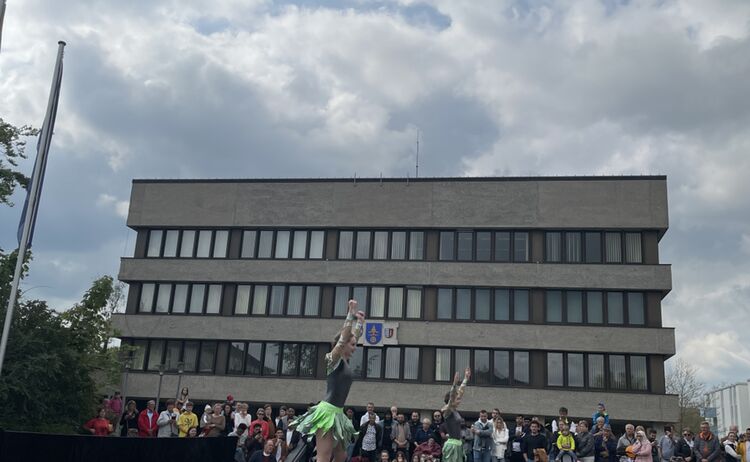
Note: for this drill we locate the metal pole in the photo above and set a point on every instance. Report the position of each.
(124, 394)
(29, 213)
(180, 370)
(2, 17)
(158, 390)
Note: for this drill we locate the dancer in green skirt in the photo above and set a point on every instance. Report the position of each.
(332, 429)
(453, 448)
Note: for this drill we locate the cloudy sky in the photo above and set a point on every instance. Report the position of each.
(253, 88)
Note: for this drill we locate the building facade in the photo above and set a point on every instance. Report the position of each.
(550, 289)
(732, 405)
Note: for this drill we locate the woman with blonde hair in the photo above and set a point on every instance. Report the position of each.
(642, 447)
(499, 438)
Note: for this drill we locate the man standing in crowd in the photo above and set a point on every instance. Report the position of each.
(216, 423)
(666, 445)
(260, 419)
(370, 410)
(187, 420)
(585, 443)
(401, 435)
(483, 444)
(707, 448)
(367, 442)
(167, 421)
(563, 419)
(387, 425)
(240, 431)
(605, 446)
(515, 441)
(414, 423)
(266, 455)
(423, 433)
(254, 443)
(533, 441)
(654, 445)
(437, 421)
(280, 448)
(600, 412)
(147, 420)
(628, 439)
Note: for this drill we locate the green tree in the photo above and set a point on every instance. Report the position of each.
(13, 143)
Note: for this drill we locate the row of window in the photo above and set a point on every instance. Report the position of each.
(598, 371)
(490, 366)
(398, 302)
(594, 307)
(593, 247)
(187, 243)
(469, 245)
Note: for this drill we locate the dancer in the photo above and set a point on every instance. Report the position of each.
(332, 429)
(453, 448)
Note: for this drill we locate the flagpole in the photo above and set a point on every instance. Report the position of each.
(36, 185)
(2, 17)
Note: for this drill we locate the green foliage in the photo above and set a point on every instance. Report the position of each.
(13, 143)
(55, 363)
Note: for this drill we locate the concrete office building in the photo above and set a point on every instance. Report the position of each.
(550, 289)
(732, 404)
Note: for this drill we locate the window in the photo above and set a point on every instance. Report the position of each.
(260, 299)
(395, 302)
(411, 363)
(502, 305)
(614, 308)
(482, 373)
(277, 300)
(553, 246)
(554, 306)
(190, 355)
(146, 304)
(482, 305)
(187, 246)
(555, 370)
(170, 242)
(341, 301)
(442, 365)
(282, 244)
(207, 357)
(463, 304)
(374, 361)
(254, 358)
(465, 246)
(307, 360)
(446, 245)
(355, 362)
(248, 244)
(617, 375)
(392, 362)
(445, 304)
(221, 242)
(346, 241)
(377, 302)
(265, 244)
(416, 245)
(520, 246)
(242, 300)
(596, 371)
(613, 242)
(213, 301)
(574, 307)
(521, 367)
(413, 303)
(520, 305)
(593, 247)
(312, 300)
(197, 297)
(154, 243)
(633, 253)
(484, 246)
(236, 358)
(139, 354)
(638, 373)
(594, 309)
(501, 367)
(179, 300)
(636, 311)
(398, 245)
(162, 298)
(317, 239)
(155, 354)
(573, 247)
(290, 359)
(502, 246)
(463, 360)
(204, 244)
(575, 370)
(300, 244)
(271, 359)
(380, 245)
(294, 302)
(363, 245)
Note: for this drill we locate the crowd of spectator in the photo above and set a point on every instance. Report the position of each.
(265, 436)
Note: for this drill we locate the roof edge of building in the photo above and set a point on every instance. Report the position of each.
(403, 179)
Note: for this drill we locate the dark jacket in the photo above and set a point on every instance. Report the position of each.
(531, 442)
(386, 426)
(708, 449)
(421, 436)
(683, 449)
(584, 445)
(605, 451)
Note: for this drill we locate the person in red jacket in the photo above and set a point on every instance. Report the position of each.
(260, 420)
(99, 425)
(147, 421)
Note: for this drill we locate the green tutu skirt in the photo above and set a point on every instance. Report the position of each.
(328, 418)
(453, 451)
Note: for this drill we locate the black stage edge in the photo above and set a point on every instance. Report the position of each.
(32, 447)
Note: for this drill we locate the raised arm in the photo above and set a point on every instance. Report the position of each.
(349, 330)
(457, 392)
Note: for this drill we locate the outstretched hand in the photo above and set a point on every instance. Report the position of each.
(467, 373)
(360, 316)
(352, 306)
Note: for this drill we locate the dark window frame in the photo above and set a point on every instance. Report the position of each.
(472, 307)
(512, 383)
(629, 388)
(386, 300)
(602, 246)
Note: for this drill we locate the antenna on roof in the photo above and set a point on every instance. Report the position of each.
(417, 175)
(355, 178)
